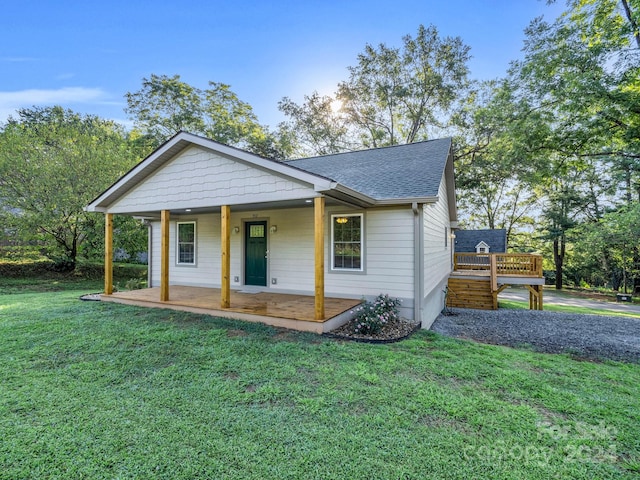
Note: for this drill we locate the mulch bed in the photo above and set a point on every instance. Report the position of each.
(393, 332)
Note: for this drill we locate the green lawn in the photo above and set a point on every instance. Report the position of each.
(523, 305)
(99, 390)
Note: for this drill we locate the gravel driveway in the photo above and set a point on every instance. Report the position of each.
(589, 336)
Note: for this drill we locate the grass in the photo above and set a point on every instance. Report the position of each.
(100, 390)
(517, 304)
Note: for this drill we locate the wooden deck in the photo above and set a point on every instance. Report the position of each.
(282, 310)
(478, 278)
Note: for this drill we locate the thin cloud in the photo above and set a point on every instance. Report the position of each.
(11, 101)
(65, 76)
(17, 59)
(61, 95)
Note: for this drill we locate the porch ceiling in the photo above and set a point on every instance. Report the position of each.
(283, 204)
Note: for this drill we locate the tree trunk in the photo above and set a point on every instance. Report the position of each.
(558, 259)
(634, 27)
(636, 271)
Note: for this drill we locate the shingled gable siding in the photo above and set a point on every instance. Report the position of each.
(188, 180)
(437, 257)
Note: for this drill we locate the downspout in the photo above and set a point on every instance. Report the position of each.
(418, 261)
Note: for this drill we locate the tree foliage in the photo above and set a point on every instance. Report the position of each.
(400, 95)
(316, 127)
(580, 75)
(166, 105)
(53, 162)
(392, 96)
(495, 183)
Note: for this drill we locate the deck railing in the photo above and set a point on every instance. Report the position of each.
(521, 264)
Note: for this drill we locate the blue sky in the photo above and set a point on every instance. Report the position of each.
(85, 55)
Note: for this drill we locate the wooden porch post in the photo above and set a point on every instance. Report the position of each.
(318, 208)
(540, 290)
(108, 253)
(164, 256)
(225, 297)
(493, 266)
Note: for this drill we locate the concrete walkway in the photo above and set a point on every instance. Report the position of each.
(551, 297)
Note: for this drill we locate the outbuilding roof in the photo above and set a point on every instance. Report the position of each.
(468, 240)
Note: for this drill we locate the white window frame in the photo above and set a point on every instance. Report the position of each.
(195, 243)
(332, 239)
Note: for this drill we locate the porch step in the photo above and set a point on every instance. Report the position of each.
(471, 293)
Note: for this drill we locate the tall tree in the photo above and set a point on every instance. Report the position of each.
(493, 171)
(580, 74)
(53, 162)
(317, 126)
(393, 96)
(400, 95)
(165, 105)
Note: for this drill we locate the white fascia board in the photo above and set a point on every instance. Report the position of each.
(93, 208)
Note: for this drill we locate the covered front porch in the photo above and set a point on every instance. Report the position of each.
(278, 309)
(222, 221)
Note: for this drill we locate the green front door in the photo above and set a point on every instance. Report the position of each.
(255, 247)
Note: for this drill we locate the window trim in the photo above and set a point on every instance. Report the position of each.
(332, 266)
(195, 244)
(483, 246)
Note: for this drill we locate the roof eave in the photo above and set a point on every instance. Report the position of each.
(359, 197)
(406, 200)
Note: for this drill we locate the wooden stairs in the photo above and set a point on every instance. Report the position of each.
(478, 278)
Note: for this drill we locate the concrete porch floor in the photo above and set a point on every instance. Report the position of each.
(281, 310)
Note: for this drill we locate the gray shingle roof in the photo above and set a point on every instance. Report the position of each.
(466, 240)
(403, 171)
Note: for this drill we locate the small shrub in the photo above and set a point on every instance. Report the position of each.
(372, 316)
(135, 284)
(26, 268)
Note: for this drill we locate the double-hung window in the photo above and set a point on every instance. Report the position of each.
(186, 243)
(346, 242)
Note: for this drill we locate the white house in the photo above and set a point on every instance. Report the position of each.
(349, 225)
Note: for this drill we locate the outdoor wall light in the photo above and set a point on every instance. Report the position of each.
(273, 229)
(236, 230)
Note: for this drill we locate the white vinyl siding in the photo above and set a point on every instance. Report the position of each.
(206, 271)
(388, 254)
(437, 260)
